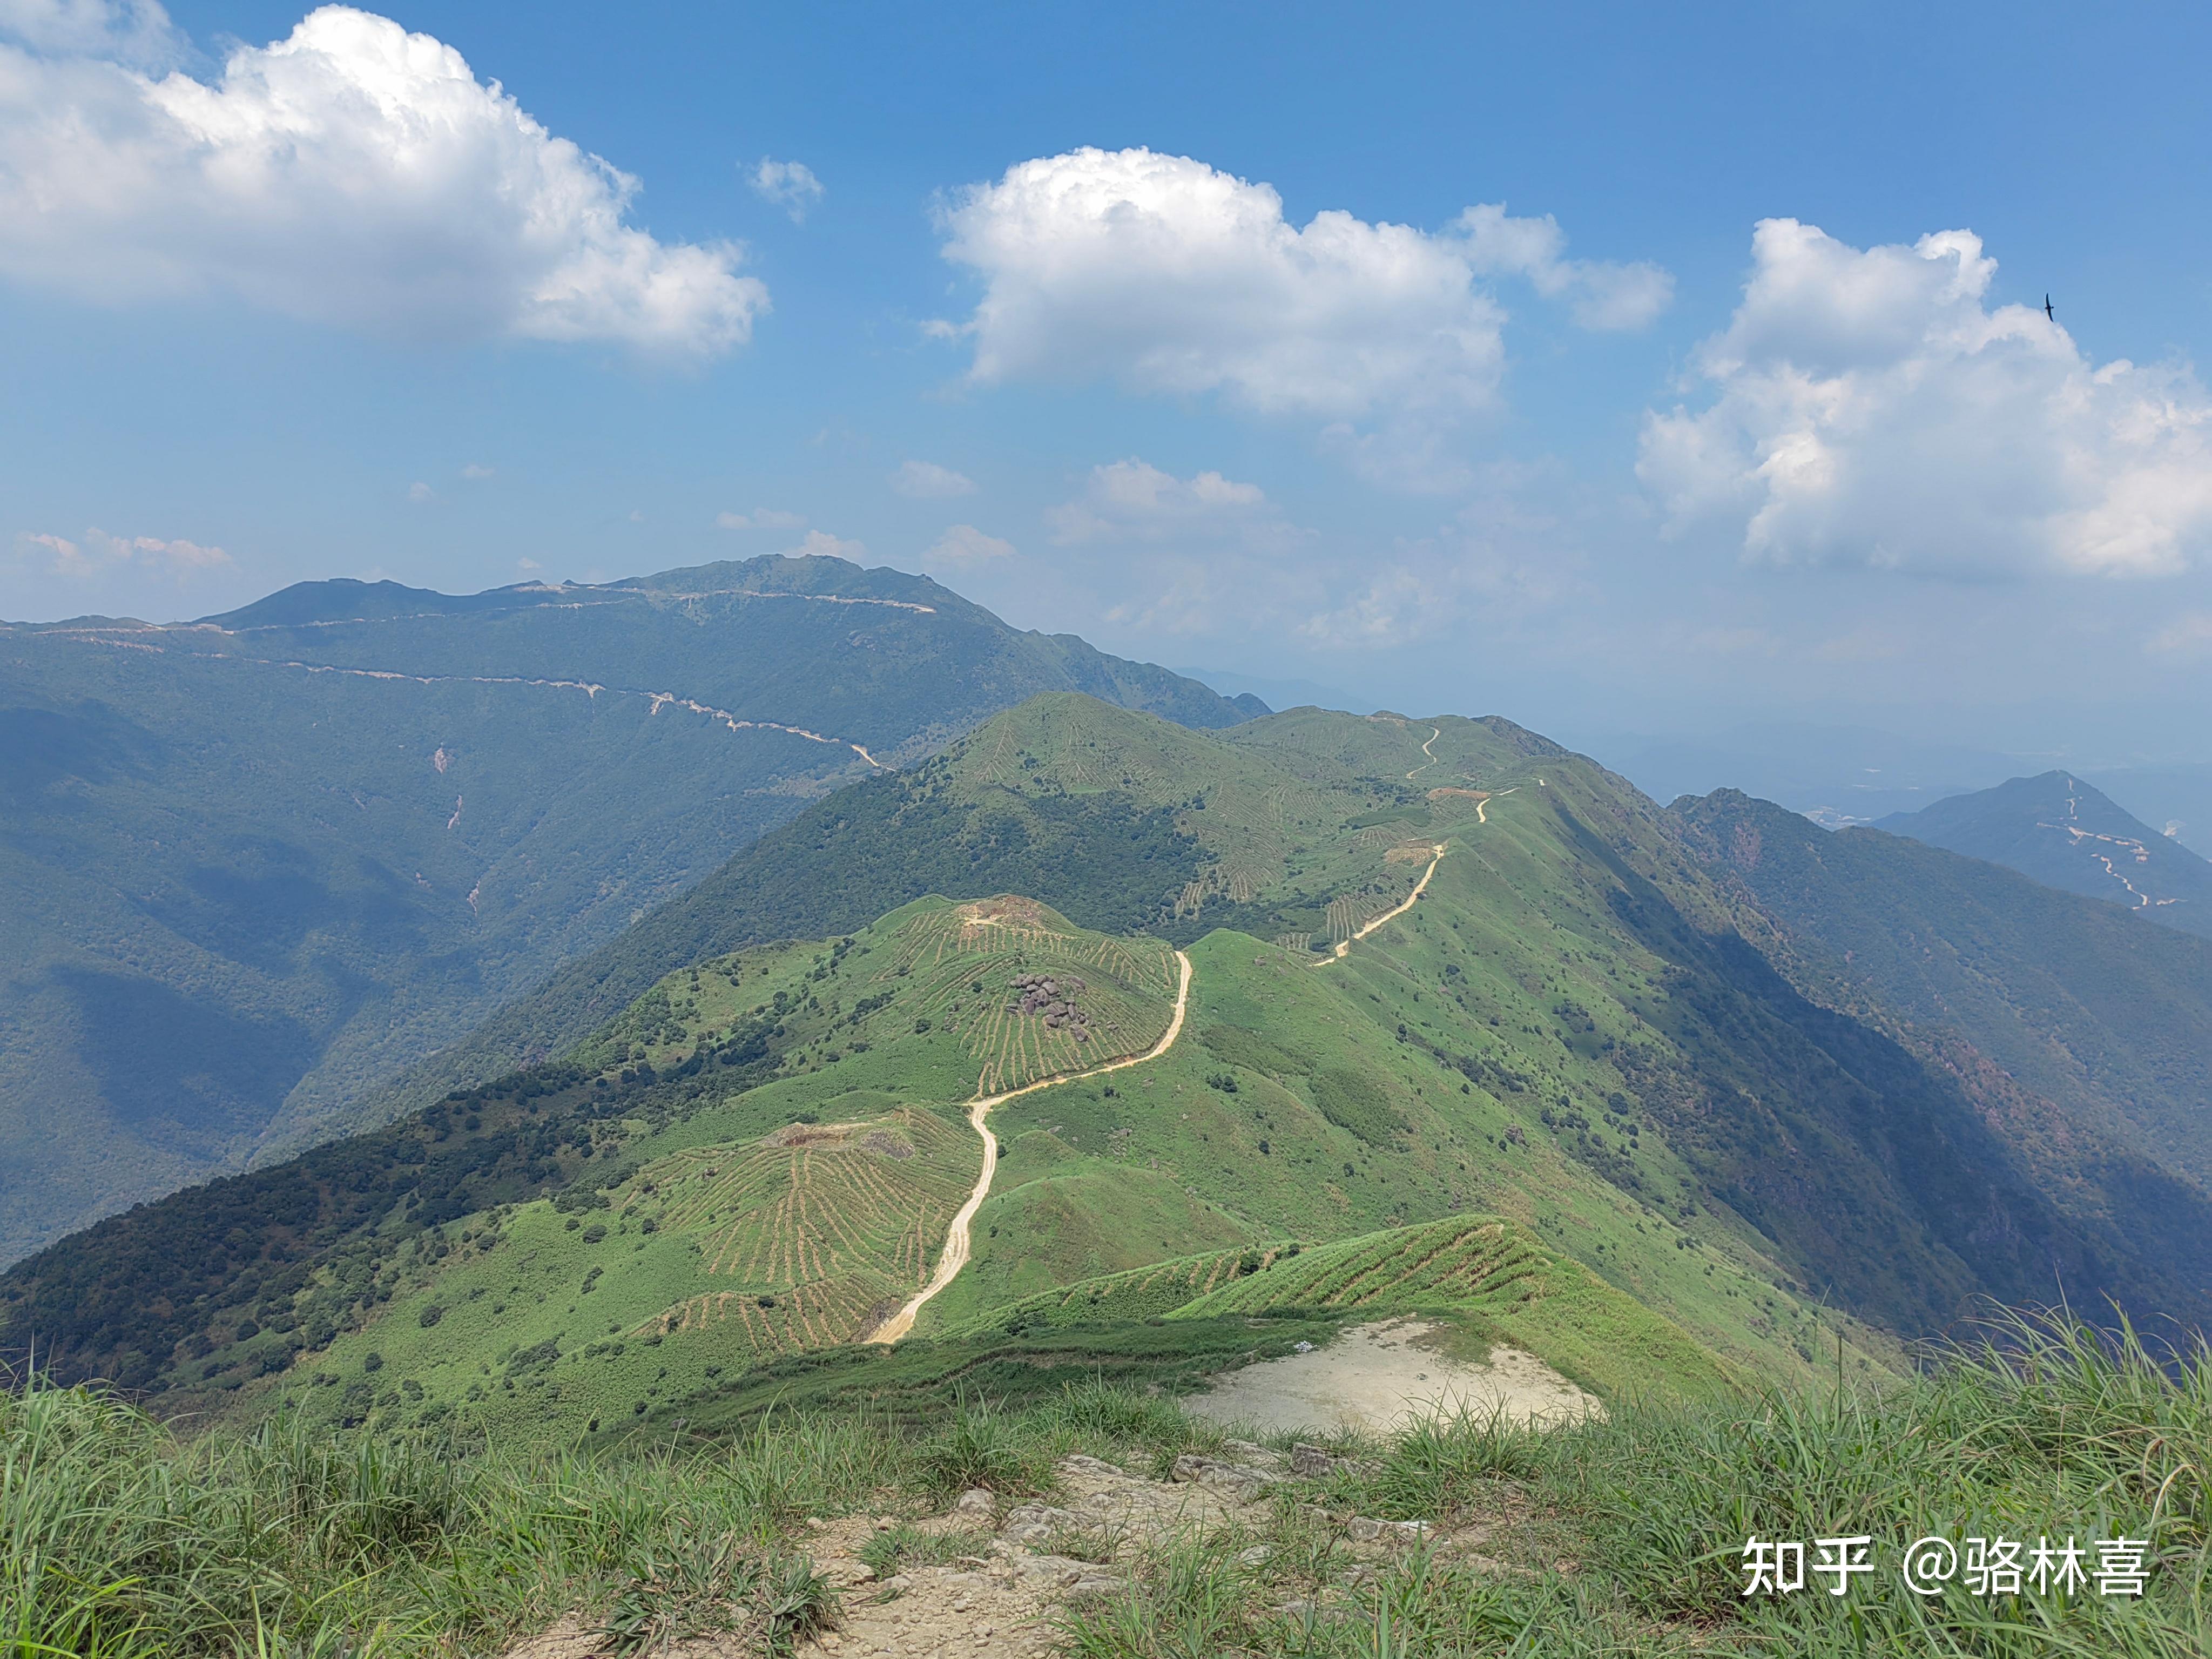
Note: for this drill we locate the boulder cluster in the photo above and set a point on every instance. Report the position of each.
(1054, 999)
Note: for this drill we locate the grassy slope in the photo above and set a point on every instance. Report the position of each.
(1564, 1032)
(792, 1216)
(1092, 1181)
(1486, 1277)
(1608, 1536)
(238, 896)
(1315, 1049)
(1119, 822)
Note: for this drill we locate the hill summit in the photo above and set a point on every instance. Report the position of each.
(2066, 833)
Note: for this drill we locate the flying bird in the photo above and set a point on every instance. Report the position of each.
(2047, 310)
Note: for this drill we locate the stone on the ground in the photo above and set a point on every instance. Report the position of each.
(1032, 1523)
(1234, 1479)
(1078, 1463)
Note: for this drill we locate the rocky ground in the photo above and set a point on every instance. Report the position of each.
(1016, 1570)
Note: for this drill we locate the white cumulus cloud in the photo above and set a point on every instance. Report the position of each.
(791, 185)
(1870, 408)
(963, 544)
(1162, 273)
(760, 518)
(1168, 276)
(352, 174)
(926, 480)
(1134, 500)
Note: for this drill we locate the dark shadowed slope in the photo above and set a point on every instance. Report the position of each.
(2065, 1017)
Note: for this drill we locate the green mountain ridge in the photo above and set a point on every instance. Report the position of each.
(253, 868)
(1591, 1027)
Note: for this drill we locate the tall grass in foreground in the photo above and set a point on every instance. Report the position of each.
(1624, 1536)
(1621, 1537)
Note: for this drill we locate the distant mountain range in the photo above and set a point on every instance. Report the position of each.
(2066, 833)
(252, 867)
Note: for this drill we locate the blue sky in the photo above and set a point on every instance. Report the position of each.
(1578, 473)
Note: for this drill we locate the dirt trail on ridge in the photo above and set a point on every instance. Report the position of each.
(954, 1256)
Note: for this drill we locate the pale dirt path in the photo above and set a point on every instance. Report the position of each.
(1344, 949)
(1427, 749)
(2142, 901)
(954, 1256)
(1375, 1377)
(657, 700)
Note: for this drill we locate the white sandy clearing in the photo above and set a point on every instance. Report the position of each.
(1374, 1378)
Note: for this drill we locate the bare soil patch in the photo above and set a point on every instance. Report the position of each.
(1376, 1377)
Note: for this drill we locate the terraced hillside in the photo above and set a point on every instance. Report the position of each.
(1486, 1278)
(1124, 825)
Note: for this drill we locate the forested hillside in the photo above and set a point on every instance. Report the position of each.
(252, 867)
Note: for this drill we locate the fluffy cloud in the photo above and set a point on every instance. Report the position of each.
(135, 31)
(1600, 295)
(760, 518)
(1168, 276)
(963, 544)
(353, 174)
(1135, 500)
(791, 185)
(926, 480)
(1159, 271)
(1870, 408)
(100, 553)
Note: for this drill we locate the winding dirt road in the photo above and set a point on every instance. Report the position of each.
(1428, 748)
(979, 1112)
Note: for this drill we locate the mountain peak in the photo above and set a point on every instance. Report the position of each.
(2066, 833)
